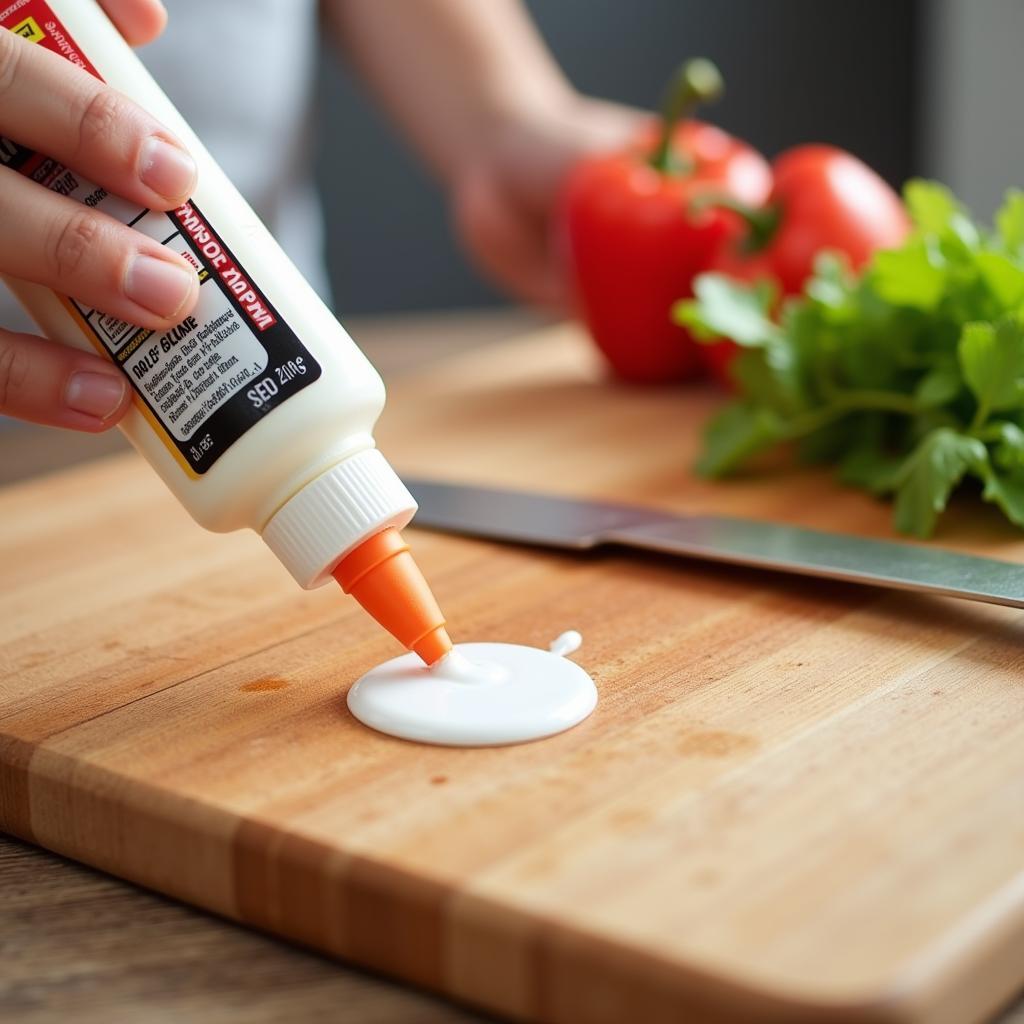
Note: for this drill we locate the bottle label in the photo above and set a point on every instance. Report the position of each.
(206, 381)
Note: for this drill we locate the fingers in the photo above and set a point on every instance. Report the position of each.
(139, 21)
(65, 245)
(44, 382)
(509, 243)
(49, 105)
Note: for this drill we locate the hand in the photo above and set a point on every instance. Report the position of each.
(504, 197)
(51, 106)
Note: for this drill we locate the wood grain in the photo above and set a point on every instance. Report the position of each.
(796, 800)
(78, 945)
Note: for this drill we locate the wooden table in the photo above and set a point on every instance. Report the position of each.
(29, 982)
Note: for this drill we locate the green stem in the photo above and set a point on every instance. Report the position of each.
(979, 417)
(697, 81)
(884, 401)
(846, 402)
(762, 223)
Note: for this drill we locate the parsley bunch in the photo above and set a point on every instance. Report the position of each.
(909, 377)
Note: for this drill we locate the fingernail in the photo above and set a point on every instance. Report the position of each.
(159, 285)
(95, 394)
(166, 169)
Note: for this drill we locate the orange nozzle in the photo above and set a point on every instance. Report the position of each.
(383, 577)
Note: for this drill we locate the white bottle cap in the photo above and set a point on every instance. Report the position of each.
(335, 513)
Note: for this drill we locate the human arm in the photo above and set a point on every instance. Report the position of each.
(479, 96)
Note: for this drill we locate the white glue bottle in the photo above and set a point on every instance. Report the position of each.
(257, 410)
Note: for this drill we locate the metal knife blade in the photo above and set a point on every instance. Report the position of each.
(548, 521)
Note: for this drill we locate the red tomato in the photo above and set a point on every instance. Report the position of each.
(823, 198)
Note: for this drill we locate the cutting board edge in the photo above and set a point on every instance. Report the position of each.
(440, 924)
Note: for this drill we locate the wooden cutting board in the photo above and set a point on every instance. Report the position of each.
(796, 800)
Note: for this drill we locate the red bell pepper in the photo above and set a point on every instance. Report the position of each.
(634, 238)
(822, 198)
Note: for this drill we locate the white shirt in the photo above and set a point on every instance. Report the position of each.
(241, 73)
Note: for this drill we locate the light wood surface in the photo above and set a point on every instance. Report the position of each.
(795, 801)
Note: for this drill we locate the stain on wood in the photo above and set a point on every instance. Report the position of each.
(715, 743)
(264, 685)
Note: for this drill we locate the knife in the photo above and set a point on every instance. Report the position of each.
(546, 521)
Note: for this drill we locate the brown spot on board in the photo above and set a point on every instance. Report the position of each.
(715, 743)
(263, 685)
(438, 780)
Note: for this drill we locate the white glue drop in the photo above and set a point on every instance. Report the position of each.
(566, 644)
(480, 695)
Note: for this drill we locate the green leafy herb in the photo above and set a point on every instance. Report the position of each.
(914, 276)
(728, 309)
(929, 475)
(992, 357)
(909, 377)
(735, 434)
(1007, 492)
(1010, 221)
(941, 384)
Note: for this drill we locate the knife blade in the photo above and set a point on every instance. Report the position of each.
(547, 521)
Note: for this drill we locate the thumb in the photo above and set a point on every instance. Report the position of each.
(44, 382)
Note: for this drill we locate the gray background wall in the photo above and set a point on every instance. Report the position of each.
(796, 70)
(972, 114)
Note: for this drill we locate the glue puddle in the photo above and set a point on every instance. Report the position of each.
(482, 694)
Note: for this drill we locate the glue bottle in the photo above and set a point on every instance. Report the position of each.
(257, 409)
